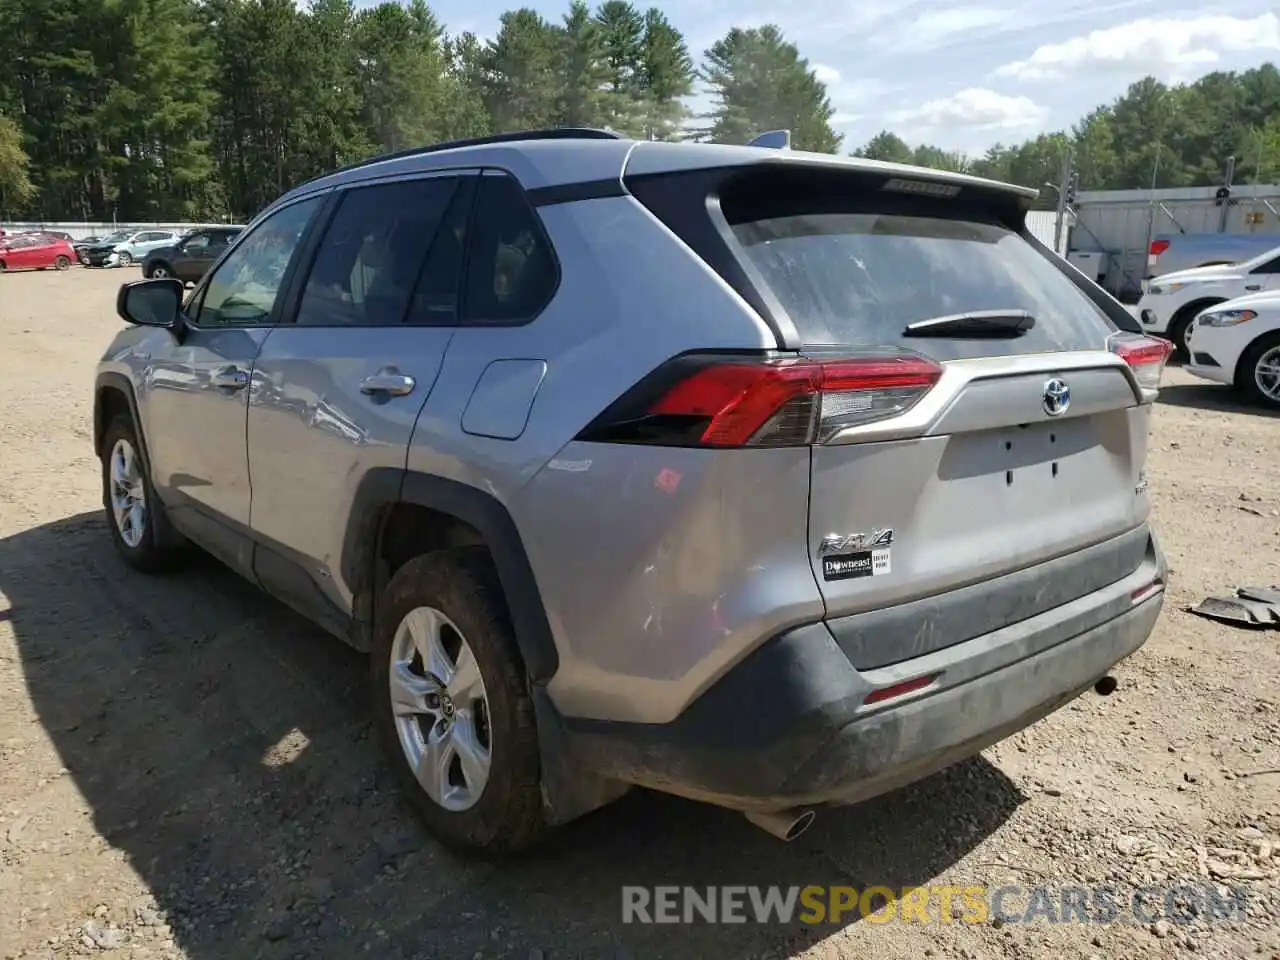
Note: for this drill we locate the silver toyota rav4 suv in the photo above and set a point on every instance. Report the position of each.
(768, 479)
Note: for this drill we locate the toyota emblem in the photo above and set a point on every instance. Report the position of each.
(1057, 397)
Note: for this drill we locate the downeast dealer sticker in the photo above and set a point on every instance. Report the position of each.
(864, 563)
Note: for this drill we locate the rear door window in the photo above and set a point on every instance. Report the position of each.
(857, 273)
(372, 253)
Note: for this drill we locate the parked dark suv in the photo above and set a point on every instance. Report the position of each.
(190, 258)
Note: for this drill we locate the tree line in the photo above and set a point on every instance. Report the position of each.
(208, 109)
(1153, 135)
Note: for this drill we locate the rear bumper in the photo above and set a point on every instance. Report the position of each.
(788, 727)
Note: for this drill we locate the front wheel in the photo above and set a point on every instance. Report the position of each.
(452, 706)
(1258, 374)
(140, 527)
(124, 258)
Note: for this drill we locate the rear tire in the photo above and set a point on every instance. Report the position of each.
(1262, 353)
(454, 596)
(62, 263)
(140, 528)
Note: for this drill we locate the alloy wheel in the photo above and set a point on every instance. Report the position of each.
(441, 709)
(1266, 374)
(128, 493)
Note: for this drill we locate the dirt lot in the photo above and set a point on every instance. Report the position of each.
(186, 768)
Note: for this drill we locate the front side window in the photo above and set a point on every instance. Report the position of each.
(244, 289)
(195, 243)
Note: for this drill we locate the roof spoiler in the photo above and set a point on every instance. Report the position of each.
(773, 140)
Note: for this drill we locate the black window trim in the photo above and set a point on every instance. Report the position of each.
(275, 319)
(310, 249)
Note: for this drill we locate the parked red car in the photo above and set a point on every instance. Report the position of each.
(35, 251)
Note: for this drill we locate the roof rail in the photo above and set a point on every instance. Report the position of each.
(552, 133)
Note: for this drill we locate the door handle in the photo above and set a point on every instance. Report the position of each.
(1254, 286)
(389, 382)
(231, 378)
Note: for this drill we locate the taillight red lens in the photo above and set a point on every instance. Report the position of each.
(1158, 247)
(1146, 356)
(730, 402)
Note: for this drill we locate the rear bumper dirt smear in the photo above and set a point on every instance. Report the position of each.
(789, 728)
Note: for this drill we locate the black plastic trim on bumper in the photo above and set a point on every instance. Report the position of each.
(879, 638)
(783, 729)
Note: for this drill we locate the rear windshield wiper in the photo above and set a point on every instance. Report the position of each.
(976, 323)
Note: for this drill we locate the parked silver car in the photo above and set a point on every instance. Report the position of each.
(769, 479)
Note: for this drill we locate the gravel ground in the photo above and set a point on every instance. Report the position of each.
(186, 768)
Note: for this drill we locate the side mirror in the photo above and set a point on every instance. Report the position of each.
(151, 303)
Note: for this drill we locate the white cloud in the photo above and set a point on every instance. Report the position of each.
(828, 75)
(975, 108)
(1167, 47)
(938, 28)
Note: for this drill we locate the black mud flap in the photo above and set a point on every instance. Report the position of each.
(1250, 607)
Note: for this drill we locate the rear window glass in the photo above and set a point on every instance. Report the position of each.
(859, 277)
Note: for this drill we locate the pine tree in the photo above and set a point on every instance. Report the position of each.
(622, 29)
(760, 82)
(886, 146)
(667, 75)
(16, 189)
(583, 72)
(521, 72)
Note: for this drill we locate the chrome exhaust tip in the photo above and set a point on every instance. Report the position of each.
(786, 825)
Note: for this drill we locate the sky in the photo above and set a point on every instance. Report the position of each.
(966, 75)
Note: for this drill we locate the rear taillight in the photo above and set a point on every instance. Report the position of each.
(1146, 357)
(725, 401)
(1158, 247)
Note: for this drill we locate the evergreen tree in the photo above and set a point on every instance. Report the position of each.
(622, 29)
(583, 72)
(888, 147)
(760, 82)
(666, 76)
(16, 189)
(521, 72)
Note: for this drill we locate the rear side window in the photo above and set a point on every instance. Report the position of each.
(855, 271)
(372, 253)
(511, 270)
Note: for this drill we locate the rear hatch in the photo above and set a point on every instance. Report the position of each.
(979, 428)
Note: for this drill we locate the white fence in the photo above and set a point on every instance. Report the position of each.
(1121, 223)
(79, 229)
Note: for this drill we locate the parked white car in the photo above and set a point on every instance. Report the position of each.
(136, 246)
(1238, 343)
(1173, 300)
